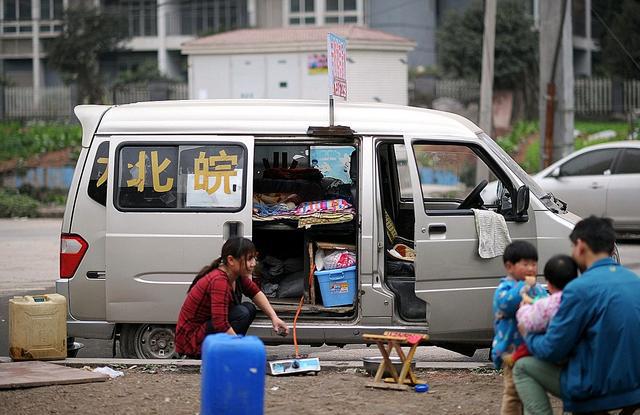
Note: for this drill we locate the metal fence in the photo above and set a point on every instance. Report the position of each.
(58, 102)
(54, 102)
(593, 96)
(632, 95)
(460, 89)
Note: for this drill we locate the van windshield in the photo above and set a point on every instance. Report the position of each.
(513, 166)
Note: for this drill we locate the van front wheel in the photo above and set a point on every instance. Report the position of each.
(148, 341)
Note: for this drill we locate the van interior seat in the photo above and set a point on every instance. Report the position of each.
(400, 277)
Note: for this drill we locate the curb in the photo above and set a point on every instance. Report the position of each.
(194, 364)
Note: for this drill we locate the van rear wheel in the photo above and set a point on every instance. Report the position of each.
(148, 341)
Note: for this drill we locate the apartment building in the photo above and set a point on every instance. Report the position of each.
(158, 28)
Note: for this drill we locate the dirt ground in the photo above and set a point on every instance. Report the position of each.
(332, 391)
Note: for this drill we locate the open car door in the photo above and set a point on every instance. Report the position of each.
(457, 284)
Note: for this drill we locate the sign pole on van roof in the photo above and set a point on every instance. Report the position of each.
(337, 65)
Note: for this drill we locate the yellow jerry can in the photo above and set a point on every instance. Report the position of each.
(38, 327)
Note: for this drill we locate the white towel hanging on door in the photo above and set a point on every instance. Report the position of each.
(493, 233)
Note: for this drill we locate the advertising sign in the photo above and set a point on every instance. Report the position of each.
(337, 63)
(317, 64)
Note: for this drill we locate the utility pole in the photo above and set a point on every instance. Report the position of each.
(556, 103)
(486, 81)
(35, 41)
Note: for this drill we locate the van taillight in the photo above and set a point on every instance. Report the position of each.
(72, 249)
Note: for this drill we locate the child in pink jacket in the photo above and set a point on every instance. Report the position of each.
(535, 314)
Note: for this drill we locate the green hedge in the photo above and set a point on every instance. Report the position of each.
(23, 141)
(14, 204)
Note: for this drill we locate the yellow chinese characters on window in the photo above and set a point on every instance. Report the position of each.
(156, 169)
(103, 177)
(221, 168)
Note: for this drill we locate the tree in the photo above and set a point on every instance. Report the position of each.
(619, 34)
(516, 45)
(142, 74)
(88, 34)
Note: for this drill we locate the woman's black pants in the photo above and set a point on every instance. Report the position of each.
(240, 317)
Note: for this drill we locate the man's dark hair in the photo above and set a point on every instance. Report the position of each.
(560, 269)
(518, 250)
(597, 233)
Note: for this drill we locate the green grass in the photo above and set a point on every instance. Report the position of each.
(587, 128)
(591, 127)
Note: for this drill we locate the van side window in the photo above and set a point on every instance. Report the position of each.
(448, 173)
(187, 177)
(97, 188)
(147, 177)
(212, 177)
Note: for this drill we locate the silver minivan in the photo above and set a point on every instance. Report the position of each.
(160, 186)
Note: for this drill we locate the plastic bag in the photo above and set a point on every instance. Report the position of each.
(339, 259)
(106, 370)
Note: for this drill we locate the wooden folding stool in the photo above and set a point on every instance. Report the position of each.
(387, 342)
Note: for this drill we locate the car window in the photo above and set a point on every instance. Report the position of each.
(187, 177)
(589, 164)
(629, 162)
(449, 172)
(97, 189)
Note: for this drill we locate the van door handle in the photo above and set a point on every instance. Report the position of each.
(231, 229)
(437, 229)
(596, 185)
(96, 274)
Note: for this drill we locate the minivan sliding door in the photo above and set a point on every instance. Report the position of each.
(456, 283)
(173, 203)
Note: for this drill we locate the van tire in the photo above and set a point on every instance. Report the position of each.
(148, 341)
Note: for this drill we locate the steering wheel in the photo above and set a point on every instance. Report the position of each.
(474, 199)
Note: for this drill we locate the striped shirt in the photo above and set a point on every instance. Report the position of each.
(209, 301)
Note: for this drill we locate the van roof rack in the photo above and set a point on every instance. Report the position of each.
(331, 131)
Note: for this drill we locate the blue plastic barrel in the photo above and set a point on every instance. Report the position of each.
(233, 375)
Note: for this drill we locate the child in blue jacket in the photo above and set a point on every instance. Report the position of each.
(521, 263)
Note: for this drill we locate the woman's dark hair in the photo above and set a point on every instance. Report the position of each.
(560, 270)
(597, 233)
(518, 250)
(237, 247)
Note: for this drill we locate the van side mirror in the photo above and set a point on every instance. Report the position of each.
(555, 173)
(522, 201)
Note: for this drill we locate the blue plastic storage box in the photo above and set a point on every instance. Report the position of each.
(337, 286)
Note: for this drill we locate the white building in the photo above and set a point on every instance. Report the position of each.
(291, 63)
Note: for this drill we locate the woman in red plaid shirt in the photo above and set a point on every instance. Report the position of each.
(213, 303)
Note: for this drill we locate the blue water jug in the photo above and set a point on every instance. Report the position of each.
(233, 375)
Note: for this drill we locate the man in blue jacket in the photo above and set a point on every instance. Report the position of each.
(590, 354)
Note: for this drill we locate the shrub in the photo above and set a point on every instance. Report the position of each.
(520, 132)
(531, 162)
(23, 141)
(13, 204)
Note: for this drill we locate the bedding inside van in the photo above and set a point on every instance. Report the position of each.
(303, 205)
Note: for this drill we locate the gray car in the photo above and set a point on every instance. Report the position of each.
(602, 180)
